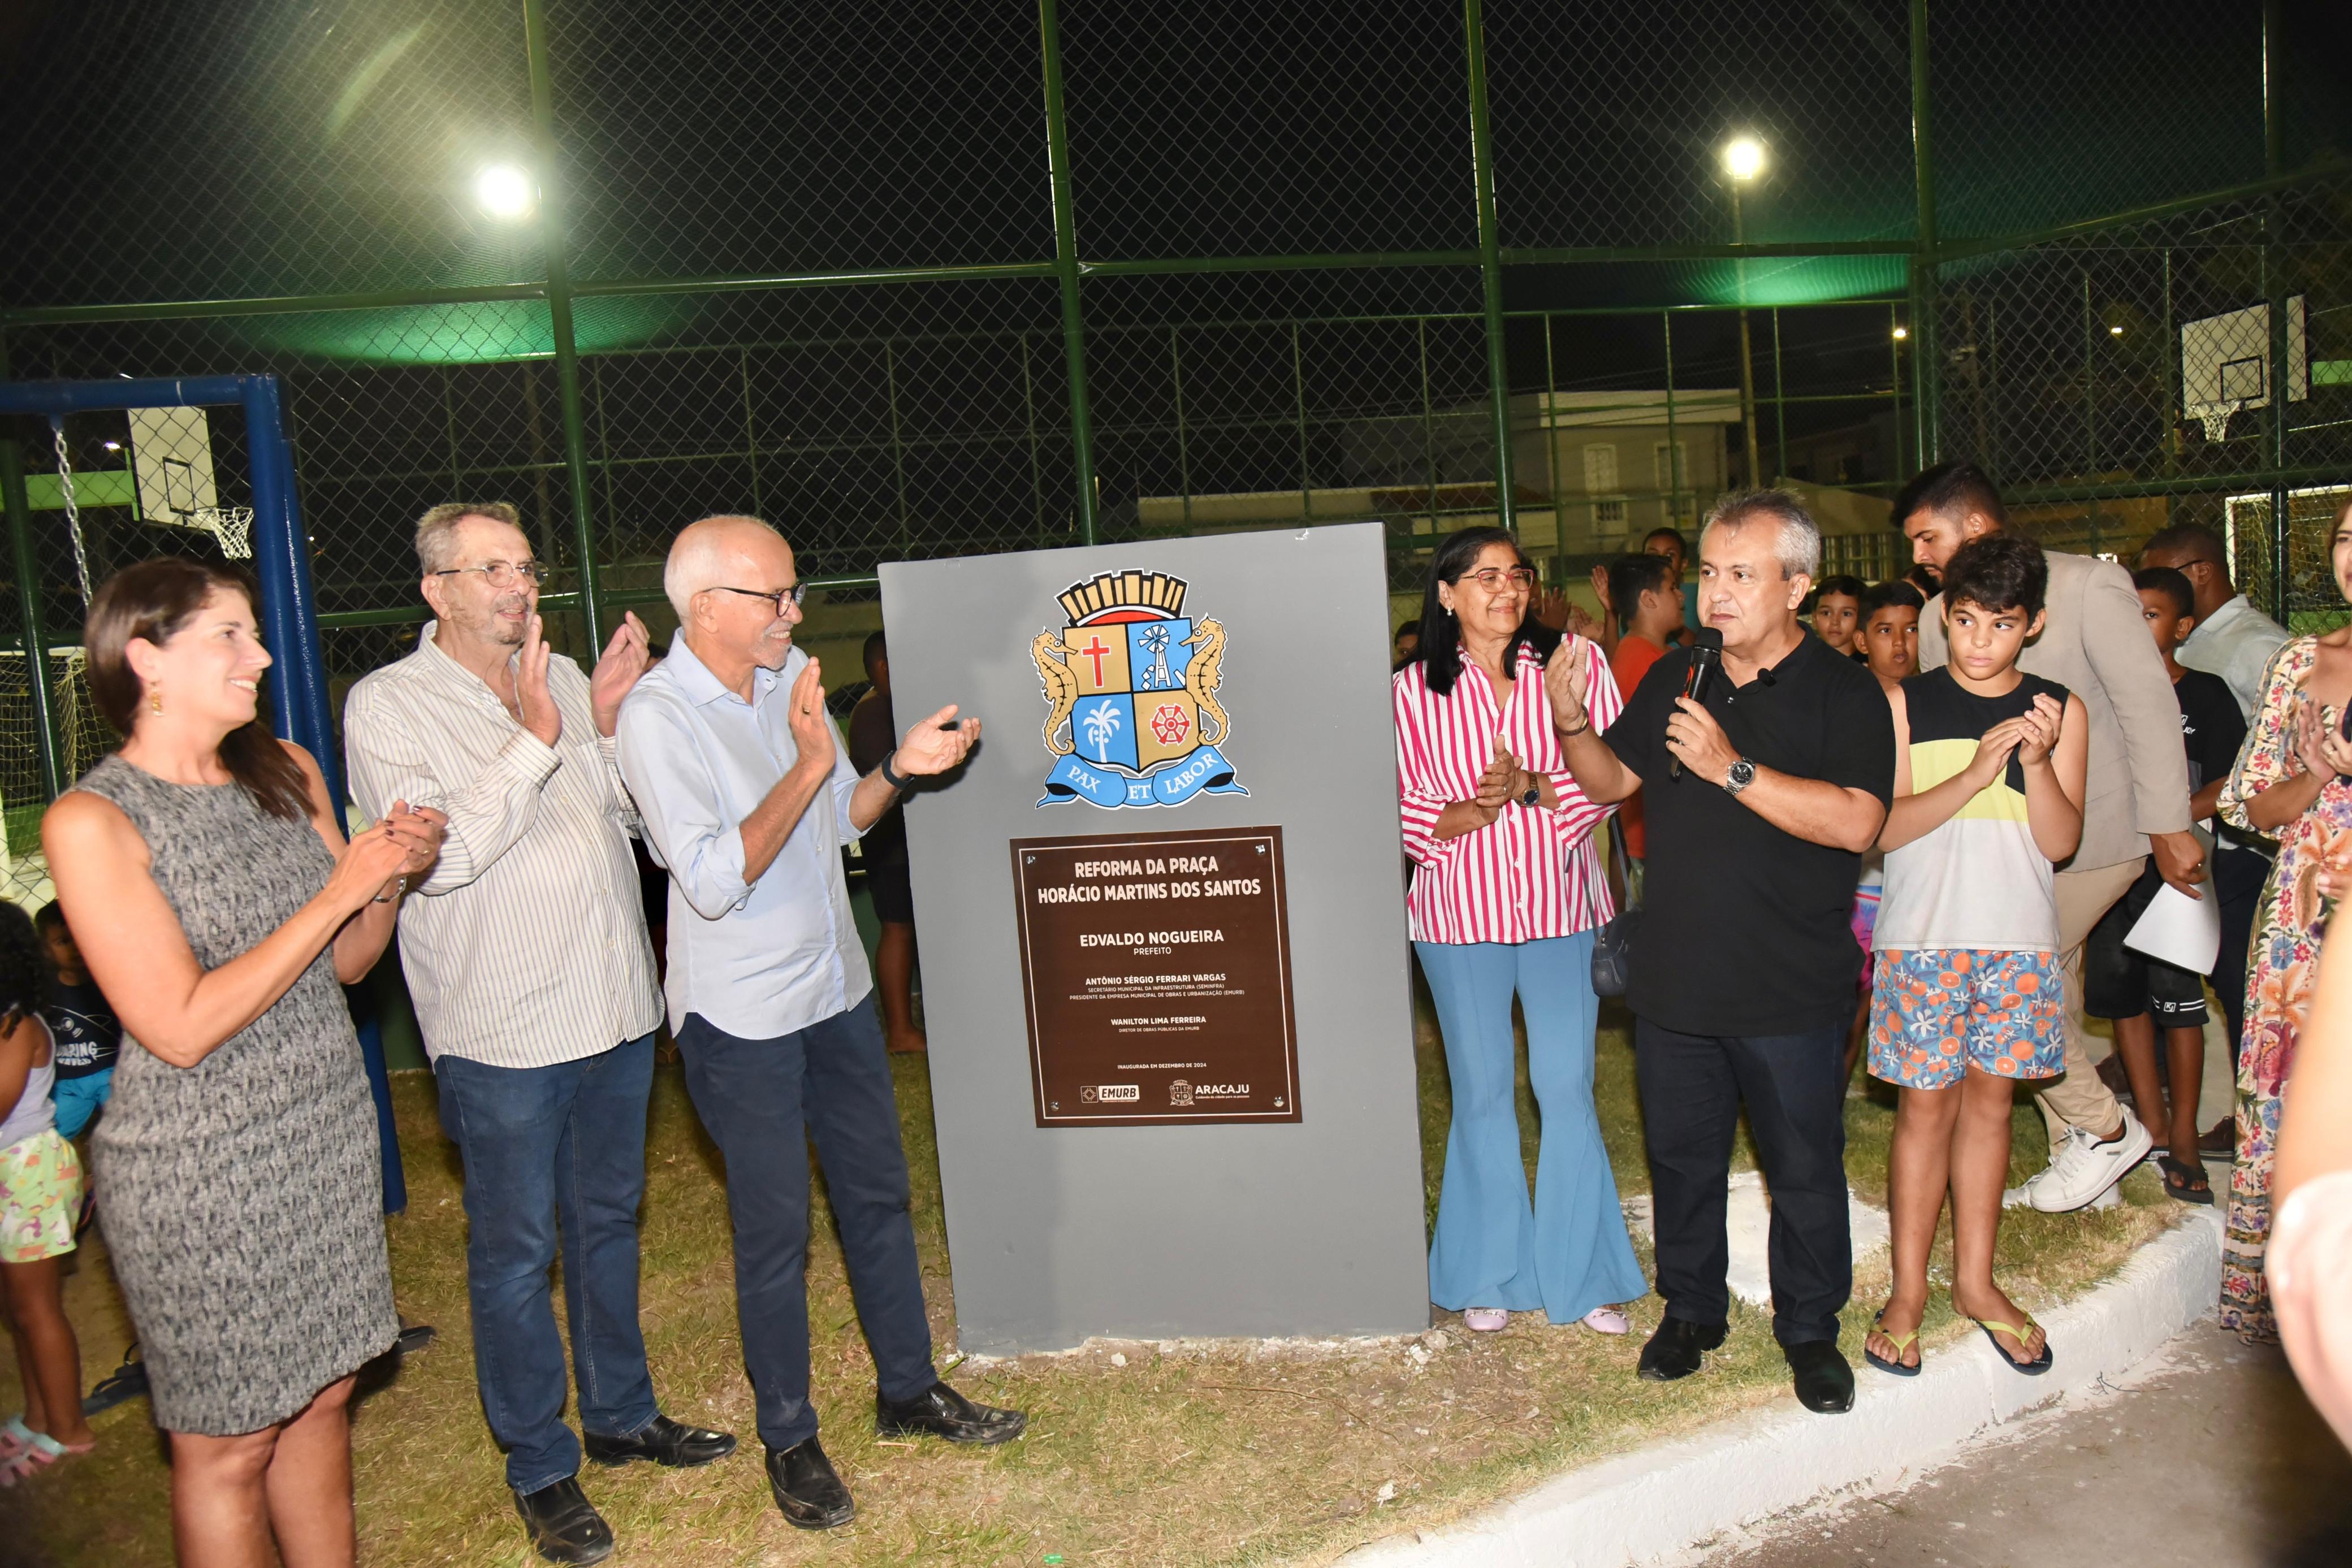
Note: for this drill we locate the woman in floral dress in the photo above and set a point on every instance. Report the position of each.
(2290, 782)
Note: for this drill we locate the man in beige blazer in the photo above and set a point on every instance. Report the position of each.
(2136, 798)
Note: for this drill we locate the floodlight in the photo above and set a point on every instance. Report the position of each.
(2115, 331)
(505, 192)
(1743, 159)
(114, 446)
(1901, 333)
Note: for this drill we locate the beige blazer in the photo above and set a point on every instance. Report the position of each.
(2096, 647)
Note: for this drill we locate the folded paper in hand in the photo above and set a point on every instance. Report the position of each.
(2180, 929)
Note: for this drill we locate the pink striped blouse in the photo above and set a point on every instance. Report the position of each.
(1532, 873)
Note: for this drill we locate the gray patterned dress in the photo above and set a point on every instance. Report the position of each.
(242, 1197)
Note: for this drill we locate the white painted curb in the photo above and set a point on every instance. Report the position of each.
(1660, 1501)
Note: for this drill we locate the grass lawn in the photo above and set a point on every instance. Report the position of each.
(1237, 1452)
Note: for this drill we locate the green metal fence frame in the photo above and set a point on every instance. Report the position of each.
(596, 603)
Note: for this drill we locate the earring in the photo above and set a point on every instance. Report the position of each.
(155, 700)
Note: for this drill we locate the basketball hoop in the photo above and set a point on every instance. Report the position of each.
(2215, 417)
(231, 525)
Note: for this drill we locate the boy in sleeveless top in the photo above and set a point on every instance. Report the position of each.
(1970, 997)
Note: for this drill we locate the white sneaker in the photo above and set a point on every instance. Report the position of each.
(2082, 1169)
(2022, 1197)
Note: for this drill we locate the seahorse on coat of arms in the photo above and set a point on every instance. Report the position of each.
(1203, 675)
(1052, 658)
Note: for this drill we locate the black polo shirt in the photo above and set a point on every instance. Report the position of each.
(1747, 930)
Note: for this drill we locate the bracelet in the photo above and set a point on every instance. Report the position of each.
(400, 888)
(1579, 729)
(891, 779)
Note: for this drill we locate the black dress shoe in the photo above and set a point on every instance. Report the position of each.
(806, 1489)
(1825, 1380)
(665, 1442)
(1677, 1348)
(564, 1525)
(943, 1413)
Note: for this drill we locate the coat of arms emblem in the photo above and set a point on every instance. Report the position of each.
(1130, 687)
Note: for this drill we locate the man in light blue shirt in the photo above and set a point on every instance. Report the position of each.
(2236, 641)
(2233, 639)
(747, 797)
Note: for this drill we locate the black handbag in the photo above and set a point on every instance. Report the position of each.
(1612, 950)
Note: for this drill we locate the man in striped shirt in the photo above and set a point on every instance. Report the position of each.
(534, 986)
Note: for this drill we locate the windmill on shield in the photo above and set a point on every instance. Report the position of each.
(1131, 685)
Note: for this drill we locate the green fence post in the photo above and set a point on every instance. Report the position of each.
(2274, 289)
(1299, 405)
(1065, 266)
(1893, 374)
(1927, 367)
(750, 431)
(559, 310)
(1781, 409)
(1490, 262)
(28, 612)
(1428, 418)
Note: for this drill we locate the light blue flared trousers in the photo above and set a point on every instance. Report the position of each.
(1567, 1253)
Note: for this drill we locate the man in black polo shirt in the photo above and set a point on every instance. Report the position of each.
(1743, 965)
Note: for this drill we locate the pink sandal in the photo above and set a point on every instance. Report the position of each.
(43, 1450)
(1485, 1320)
(1606, 1319)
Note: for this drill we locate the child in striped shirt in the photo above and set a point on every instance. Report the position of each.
(1970, 997)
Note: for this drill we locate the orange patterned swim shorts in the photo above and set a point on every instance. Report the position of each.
(1936, 1012)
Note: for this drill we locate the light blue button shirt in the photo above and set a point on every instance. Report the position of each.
(2235, 643)
(757, 959)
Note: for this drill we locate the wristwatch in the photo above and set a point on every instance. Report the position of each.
(890, 777)
(1534, 797)
(1742, 774)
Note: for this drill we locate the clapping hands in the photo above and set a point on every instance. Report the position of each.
(2029, 737)
(372, 865)
(2321, 750)
(935, 745)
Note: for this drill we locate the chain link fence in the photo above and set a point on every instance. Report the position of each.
(2194, 368)
(954, 276)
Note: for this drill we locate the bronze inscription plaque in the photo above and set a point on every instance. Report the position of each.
(1156, 970)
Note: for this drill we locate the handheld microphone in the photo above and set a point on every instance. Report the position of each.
(1705, 658)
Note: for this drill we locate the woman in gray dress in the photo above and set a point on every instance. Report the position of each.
(218, 905)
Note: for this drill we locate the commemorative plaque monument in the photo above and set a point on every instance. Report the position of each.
(1157, 972)
(1164, 952)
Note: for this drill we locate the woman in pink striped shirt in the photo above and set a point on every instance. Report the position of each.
(1506, 896)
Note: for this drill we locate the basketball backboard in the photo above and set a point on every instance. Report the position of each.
(172, 461)
(2225, 364)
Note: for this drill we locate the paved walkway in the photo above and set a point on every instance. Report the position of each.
(2209, 1458)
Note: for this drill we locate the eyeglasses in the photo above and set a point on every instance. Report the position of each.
(1494, 578)
(788, 598)
(501, 573)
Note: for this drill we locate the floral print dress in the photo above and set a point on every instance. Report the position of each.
(2282, 964)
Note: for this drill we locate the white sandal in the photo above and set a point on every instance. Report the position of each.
(1606, 1319)
(1485, 1320)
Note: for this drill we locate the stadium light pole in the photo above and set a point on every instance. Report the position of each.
(1743, 161)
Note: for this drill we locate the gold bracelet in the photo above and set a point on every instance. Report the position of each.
(1579, 729)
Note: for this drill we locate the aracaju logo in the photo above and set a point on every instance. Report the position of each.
(1131, 690)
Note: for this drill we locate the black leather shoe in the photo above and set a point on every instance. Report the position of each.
(806, 1489)
(942, 1412)
(1678, 1349)
(1825, 1380)
(564, 1525)
(665, 1442)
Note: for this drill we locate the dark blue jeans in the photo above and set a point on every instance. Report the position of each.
(763, 1101)
(553, 1151)
(1794, 1087)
